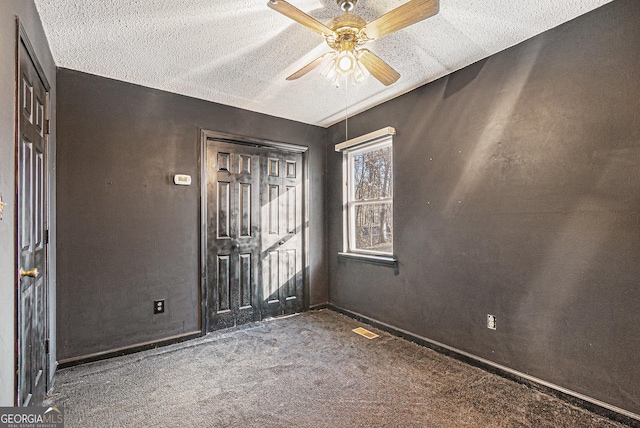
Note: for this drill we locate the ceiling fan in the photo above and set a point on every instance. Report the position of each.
(347, 33)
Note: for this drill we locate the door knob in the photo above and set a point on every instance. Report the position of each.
(32, 273)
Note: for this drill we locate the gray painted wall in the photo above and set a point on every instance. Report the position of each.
(127, 234)
(517, 193)
(26, 11)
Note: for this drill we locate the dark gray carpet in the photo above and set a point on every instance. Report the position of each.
(308, 370)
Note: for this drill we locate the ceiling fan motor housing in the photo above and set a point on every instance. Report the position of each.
(347, 28)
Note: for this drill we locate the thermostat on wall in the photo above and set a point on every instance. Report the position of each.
(182, 180)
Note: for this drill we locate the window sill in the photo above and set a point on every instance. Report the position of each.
(370, 258)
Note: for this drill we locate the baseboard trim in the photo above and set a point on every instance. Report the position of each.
(318, 306)
(591, 404)
(118, 352)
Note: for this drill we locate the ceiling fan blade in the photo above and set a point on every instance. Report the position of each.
(299, 16)
(378, 68)
(307, 68)
(401, 17)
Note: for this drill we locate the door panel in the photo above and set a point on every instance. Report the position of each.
(272, 284)
(233, 177)
(254, 233)
(32, 205)
(246, 274)
(245, 210)
(224, 284)
(282, 268)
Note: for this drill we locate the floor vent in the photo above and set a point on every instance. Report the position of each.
(364, 332)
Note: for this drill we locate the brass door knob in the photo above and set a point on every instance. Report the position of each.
(32, 273)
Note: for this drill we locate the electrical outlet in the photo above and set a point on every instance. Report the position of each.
(158, 306)
(491, 321)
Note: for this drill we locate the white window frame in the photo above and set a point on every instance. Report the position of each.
(370, 142)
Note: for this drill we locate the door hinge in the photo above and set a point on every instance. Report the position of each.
(46, 236)
(46, 346)
(47, 127)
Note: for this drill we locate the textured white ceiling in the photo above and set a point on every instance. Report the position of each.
(239, 52)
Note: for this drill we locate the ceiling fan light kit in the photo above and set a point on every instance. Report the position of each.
(346, 34)
(345, 64)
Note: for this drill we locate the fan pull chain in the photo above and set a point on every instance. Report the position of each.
(346, 110)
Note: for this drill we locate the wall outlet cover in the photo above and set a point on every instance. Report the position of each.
(491, 321)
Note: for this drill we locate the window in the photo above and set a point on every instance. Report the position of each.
(369, 198)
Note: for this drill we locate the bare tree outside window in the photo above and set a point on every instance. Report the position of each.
(371, 199)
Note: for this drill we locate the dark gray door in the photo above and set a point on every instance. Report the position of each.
(32, 287)
(233, 234)
(254, 233)
(282, 233)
